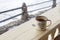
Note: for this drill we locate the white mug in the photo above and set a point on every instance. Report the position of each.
(42, 22)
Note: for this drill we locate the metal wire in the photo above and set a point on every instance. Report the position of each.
(38, 3)
(10, 10)
(21, 14)
(9, 18)
(21, 7)
(39, 9)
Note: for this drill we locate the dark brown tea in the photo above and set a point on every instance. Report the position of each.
(40, 20)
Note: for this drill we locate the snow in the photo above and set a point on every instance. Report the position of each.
(10, 4)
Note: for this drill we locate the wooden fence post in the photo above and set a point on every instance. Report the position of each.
(54, 4)
(24, 13)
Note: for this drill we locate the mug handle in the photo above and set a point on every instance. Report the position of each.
(50, 22)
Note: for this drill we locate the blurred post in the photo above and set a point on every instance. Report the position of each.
(54, 4)
(24, 13)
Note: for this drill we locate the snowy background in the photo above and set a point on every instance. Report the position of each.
(10, 4)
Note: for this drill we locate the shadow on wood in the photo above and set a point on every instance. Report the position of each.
(57, 38)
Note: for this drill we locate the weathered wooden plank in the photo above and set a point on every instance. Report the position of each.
(30, 30)
(53, 34)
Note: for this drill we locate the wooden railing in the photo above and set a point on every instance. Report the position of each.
(37, 35)
(25, 16)
(30, 30)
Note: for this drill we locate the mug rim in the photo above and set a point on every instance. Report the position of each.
(41, 18)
